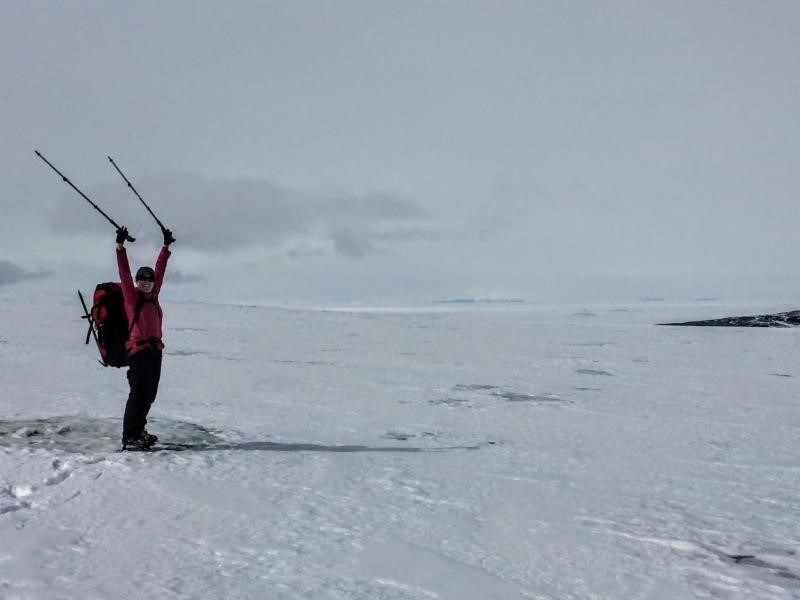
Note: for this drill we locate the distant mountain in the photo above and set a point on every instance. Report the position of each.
(481, 301)
(785, 319)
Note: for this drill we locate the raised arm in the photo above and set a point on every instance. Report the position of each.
(126, 280)
(161, 268)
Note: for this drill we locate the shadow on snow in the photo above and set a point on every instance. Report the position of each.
(80, 434)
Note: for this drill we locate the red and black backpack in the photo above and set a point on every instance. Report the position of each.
(108, 323)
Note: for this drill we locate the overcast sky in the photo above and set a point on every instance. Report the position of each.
(314, 151)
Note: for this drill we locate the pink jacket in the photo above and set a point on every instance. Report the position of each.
(146, 331)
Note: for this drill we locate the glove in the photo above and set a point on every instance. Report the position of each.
(168, 239)
(122, 235)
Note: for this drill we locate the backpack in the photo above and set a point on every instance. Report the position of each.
(108, 323)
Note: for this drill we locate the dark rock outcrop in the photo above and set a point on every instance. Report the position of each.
(785, 319)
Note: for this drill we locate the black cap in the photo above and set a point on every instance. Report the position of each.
(145, 273)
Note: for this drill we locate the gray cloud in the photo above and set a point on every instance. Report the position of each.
(12, 273)
(226, 215)
(352, 244)
(180, 277)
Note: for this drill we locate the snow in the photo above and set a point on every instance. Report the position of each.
(455, 453)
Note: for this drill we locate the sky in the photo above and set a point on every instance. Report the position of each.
(309, 152)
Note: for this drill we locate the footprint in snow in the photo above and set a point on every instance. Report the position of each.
(17, 492)
(61, 471)
(4, 510)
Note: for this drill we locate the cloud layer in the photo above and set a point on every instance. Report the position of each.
(11, 273)
(226, 215)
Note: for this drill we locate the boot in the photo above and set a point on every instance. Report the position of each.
(136, 443)
(149, 438)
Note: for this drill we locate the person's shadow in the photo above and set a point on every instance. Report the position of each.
(82, 434)
(289, 447)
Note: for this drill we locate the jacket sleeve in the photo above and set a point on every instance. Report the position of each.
(126, 280)
(161, 269)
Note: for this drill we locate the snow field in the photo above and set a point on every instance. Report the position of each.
(459, 455)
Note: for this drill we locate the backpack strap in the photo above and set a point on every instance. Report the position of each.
(140, 302)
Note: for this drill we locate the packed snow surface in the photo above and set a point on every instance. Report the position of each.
(454, 453)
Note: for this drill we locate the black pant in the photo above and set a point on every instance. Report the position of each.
(143, 376)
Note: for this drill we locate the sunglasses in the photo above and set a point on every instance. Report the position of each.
(150, 279)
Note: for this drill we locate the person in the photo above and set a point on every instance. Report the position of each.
(144, 346)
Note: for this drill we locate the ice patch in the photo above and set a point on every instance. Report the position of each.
(517, 397)
(80, 434)
(597, 372)
(480, 391)
(474, 387)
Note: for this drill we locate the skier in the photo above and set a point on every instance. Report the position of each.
(144, 345)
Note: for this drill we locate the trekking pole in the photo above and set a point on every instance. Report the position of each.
(85, 197)
(133, 189)
(91, 332)
(88, 315)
